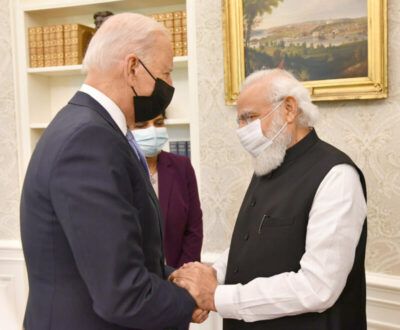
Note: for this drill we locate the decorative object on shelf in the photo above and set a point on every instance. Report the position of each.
(100, 17)
(58, 45)
(175, 22)
(339, 54)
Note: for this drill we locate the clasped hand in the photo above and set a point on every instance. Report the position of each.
(201, 282)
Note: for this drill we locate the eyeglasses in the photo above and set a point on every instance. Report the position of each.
(248, 117)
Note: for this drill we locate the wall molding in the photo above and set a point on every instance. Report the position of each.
(383, 301)
(13, 284)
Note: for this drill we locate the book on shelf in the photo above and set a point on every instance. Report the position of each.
(76, 40)
(35, 42)
(53, 45)
(57, 45)
(181, 148)
(175, 23)
(173, 147)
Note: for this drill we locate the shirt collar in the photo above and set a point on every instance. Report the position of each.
(114, 111)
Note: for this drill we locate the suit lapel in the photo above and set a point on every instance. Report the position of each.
(165, 181)
(83, 99)
(86, 100)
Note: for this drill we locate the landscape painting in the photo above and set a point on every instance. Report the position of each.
(314, 39)
(338, 49)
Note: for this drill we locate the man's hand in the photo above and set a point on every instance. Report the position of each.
(201, 282)
(199, 315)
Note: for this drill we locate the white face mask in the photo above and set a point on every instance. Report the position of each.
(151, 139)
(252, 137)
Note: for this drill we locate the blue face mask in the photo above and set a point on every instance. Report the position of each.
(151, 139)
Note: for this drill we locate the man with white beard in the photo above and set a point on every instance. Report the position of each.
(296, 259)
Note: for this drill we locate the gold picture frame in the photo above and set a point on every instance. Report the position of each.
(373, 86)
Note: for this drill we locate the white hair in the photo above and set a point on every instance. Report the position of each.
(120, 35)
(272, 157)
(281, 84)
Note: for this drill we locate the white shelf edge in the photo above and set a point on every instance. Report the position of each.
(179, 62)
(180, 59)
(176, 121)
(38, 125)
(45, 5)
(56, 70)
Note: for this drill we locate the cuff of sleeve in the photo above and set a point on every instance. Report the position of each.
(220, 274)
(226, 301)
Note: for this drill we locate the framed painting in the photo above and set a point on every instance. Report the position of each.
(338, 49)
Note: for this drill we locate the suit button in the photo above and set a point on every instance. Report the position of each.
(236, 270)
(253, 203)
(246, 237)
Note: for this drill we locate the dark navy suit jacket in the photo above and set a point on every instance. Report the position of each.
(91, 231)
(180, 205)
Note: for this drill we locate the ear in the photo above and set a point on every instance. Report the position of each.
(131, 63)
(291, 109)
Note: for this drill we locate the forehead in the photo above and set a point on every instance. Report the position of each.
(252, 98)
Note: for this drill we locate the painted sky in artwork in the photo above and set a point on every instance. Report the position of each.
(298, 11)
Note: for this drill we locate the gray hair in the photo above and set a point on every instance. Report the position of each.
(283, 84)
(120, 35)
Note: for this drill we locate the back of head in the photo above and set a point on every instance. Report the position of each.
(120, 35)
(280, 84)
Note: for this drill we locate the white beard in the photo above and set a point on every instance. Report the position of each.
(272, 157)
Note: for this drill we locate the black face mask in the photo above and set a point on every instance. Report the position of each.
(149, 107)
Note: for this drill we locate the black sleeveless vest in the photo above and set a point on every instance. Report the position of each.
(270, 234)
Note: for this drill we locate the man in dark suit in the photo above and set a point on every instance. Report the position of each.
(90, 221)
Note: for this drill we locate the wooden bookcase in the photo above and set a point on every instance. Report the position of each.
(42, 92)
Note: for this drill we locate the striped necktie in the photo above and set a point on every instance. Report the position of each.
(138, 152)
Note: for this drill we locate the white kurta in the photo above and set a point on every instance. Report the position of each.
(334, 228)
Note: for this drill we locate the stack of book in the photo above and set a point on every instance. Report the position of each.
(36, 51)
(180, 148)
(175, 22)
(53, 44)
(76, 40)
(57, 45)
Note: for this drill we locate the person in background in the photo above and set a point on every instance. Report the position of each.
(174, 182)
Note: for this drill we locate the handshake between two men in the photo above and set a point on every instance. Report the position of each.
(200, 281)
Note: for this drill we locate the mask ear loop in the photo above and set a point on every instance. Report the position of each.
(279, 132)
(146, 68)
(272, 111)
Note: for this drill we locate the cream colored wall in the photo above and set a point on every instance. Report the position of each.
(368, 131)
(9, 182)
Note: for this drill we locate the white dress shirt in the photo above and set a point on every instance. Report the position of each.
(114, 110)
(334, 228)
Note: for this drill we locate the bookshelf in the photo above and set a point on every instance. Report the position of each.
(43, 91)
